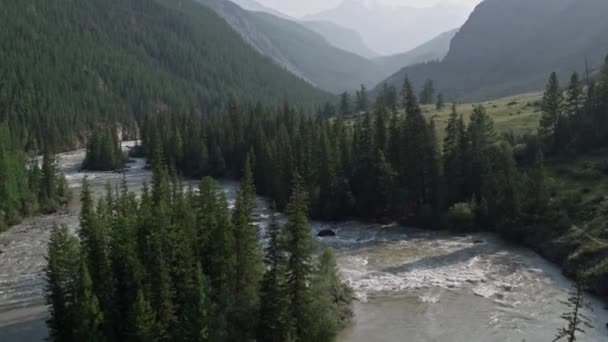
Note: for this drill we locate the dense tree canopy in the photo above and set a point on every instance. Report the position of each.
(176, 265)
(64, 71)
(27, 187)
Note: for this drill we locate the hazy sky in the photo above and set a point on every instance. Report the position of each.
(303, 7)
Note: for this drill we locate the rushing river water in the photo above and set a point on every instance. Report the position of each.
(411, 285)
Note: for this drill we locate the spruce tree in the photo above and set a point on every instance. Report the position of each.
(274, 324)
(61, 275)
(299, 264)
(439, 104)
(48, 196)
(89, 316)
(332, 299)
(194, 323)
(576, 320)
(482, 137)
(552, 106)
(453, 159)
(142, 326)
(427, 95)
(574, 96)
(248, 256)
(362, 101)
(345, 104)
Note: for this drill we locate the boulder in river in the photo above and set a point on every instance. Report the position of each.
(326, 233)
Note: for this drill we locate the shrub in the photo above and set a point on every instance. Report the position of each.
(461, 217)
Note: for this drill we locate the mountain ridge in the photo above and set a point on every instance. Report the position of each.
(300, 50)
(510, 46)
(394, 29)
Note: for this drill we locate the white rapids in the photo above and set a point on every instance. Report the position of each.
(410, 284)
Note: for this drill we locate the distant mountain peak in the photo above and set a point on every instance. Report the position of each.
(363, 3)
(392, 28)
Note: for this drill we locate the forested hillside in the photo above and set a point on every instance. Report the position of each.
(509, 46)
(65, 65)
(27, 188)
(300, 50)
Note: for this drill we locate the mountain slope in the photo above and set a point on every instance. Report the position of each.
(390, 30)
(341, 37)
(510, 46)
(67, 65)
(433, 50)
(300, 50)
(254, 6)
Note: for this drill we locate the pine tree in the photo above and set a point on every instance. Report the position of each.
(419, 155)
(453, 159)
(576, 319)
(380, 130)
(387, 97)
(482, 137)
(274, 324)
(332, 299)
(142, 326)
(574, 96)
(499, 186)
(427, 95)
(61, 278)
(246, 249)
(345, 104)
(362, 101)
(94, 240)
(162, 294)
(89, 317)
(299, 265)
(194, 323)
(439, 104)
(384, 179)
(552, 105)
(536, 195)
(48, 187)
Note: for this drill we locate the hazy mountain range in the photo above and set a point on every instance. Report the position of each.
(511, 46)
(389, 29)
(325, 54)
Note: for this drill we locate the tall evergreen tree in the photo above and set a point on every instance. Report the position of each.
(299, 265)
(439, 104)
(345, 104)
(427, 95)
(142, 327)
(194, 323)
(61, 276)
(274, 324)
(88, 315)
(248, 263)
(482, 137)
(552, 106)
(453, 159)
(576, 320)
(332, 299)
(362, 101)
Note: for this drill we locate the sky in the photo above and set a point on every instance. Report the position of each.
(299, 8)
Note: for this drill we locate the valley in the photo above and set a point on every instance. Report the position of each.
(311, 171)
(403, 278)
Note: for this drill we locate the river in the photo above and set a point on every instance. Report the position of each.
(410, 284)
